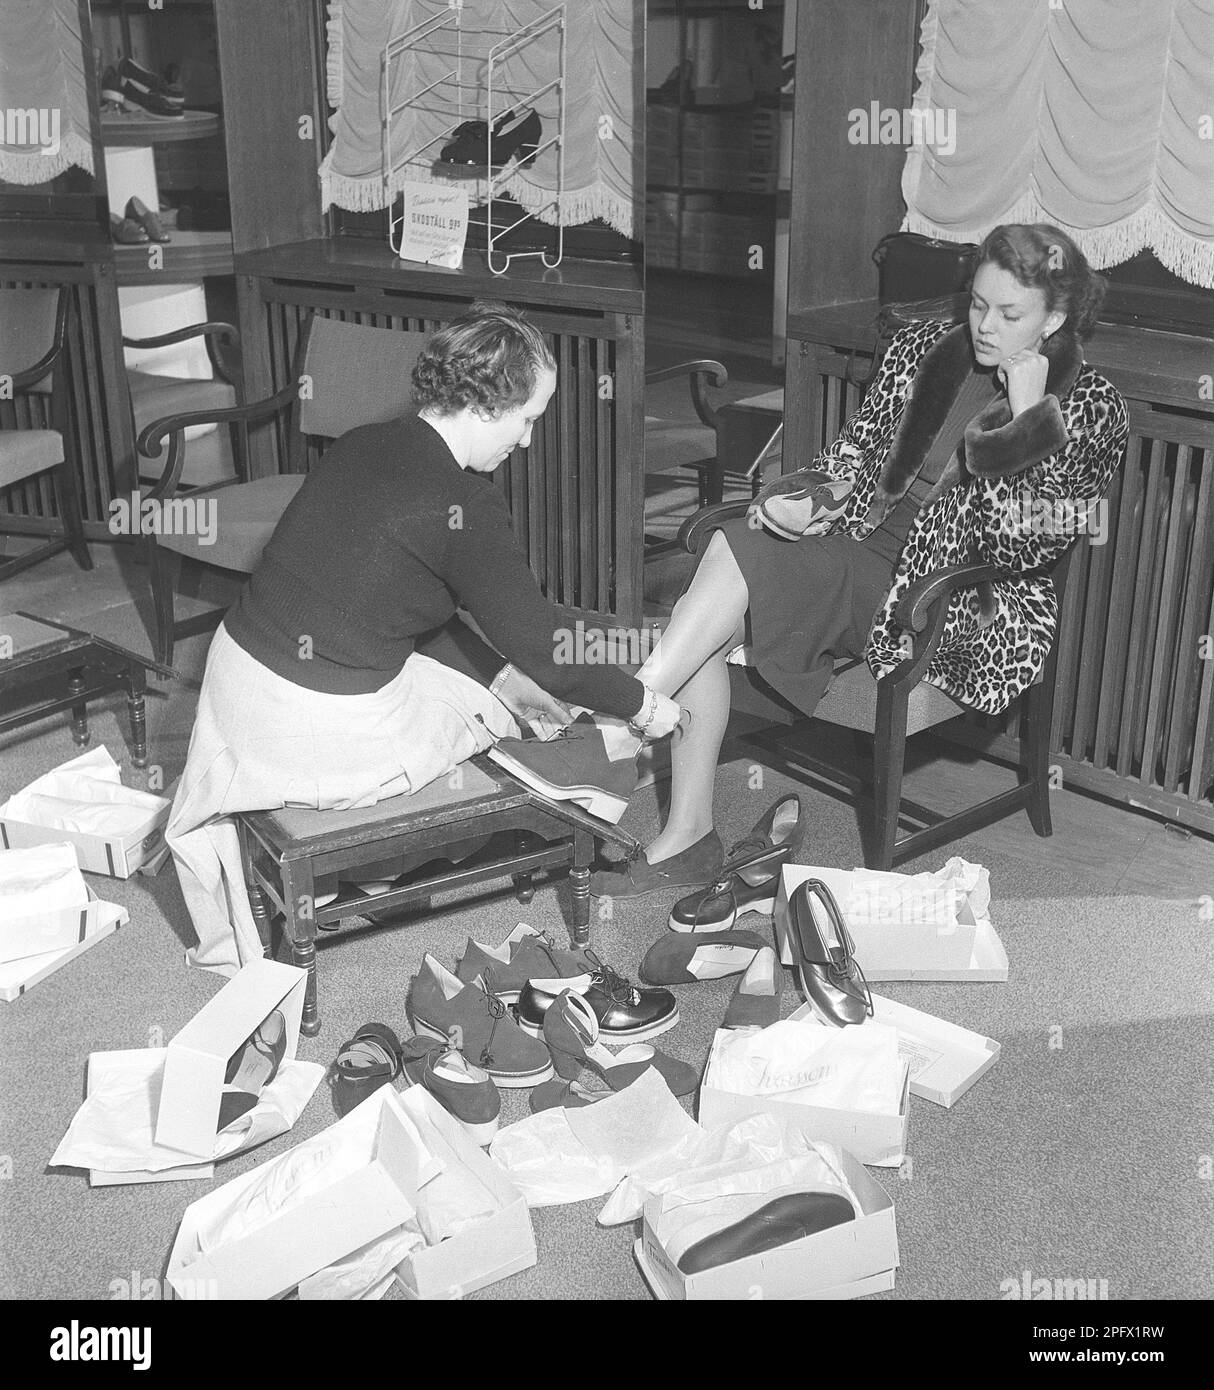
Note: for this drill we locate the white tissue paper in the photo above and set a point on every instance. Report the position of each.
(959, 892)
(751, 1155)
(114, 1130)
(40, 880)
(453, 1198)
(84, 795)
(833, 1068)
(569, 1155)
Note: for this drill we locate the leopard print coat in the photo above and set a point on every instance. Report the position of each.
(994, 644)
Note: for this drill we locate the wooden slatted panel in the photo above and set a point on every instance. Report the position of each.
(606, 511)
(1194, 673)
(1160, 676)
(586, 473)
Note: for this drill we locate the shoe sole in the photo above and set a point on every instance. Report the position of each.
(593, 799)
(764, 907)
(510, 1080)
(614, 1038)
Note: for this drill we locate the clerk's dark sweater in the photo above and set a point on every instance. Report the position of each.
(387, 535)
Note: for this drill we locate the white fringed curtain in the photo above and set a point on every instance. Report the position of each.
(44, 117)
(1095, 115)
(600, 39)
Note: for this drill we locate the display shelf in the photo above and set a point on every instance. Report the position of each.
(189, 256)
(126, 129)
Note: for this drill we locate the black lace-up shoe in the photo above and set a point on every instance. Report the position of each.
(625, 1012)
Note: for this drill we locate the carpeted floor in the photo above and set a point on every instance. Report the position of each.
(1084, 1153)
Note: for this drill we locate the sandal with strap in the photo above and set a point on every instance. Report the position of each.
(371, 1059)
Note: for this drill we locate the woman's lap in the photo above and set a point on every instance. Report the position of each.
(811, 602)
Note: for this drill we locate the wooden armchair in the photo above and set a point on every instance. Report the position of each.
(33, 363)
(901, 704)
(345, 375)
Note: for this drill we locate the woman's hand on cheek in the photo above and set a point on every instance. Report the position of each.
(1024, 374)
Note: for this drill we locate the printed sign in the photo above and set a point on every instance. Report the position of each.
(433, 224)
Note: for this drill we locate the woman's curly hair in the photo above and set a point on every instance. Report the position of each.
(1045, 258)
(490, 358)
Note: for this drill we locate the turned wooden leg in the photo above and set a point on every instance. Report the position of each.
(524, 886)
(579, 877)
(80, 721)
(299, 896)
(136, 687)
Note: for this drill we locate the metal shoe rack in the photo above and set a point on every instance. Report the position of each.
(474, 84)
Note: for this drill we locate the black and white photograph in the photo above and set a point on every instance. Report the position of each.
(606, 664)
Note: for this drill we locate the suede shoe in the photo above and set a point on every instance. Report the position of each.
(571, 1031)
(465, 1091)
(439, 1003)
(625, 1013)
(685, 960)
(524, 955)
(756, 1001)
(791, 504)
(692, 867)
(569, 1095)
(573, 766)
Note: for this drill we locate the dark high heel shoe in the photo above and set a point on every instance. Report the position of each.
(749, 878)
(571, 1033)
(251, 1069)
(824, 956)
(515, 133)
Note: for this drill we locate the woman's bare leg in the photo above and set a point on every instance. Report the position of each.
(689, 663)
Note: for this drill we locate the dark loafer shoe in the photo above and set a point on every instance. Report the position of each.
(824, 956)
(685, 960)
(780, 1222)
(692, 867)
(465, 1091)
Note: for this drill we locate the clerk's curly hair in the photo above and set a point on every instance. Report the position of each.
(490, 358)
(1043, 257)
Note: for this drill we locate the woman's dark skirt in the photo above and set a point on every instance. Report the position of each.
(813, 601)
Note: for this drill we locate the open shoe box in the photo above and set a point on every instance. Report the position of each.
(944, 1059)
(481, 1254)
(847, 1261)
(970, 950)
(380, 1195)
(70, 932)
(878, 1140)
(197, 1056)
(142, 849)
(271, 1260)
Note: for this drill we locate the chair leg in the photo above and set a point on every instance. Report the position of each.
(68, 493)
(579, 878)
(1035, 739)
(166, 565)
(889, 760)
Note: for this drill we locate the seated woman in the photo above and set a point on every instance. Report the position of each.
(343, 675)
(968, 442)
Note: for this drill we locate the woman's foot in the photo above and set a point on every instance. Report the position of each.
(693, 867)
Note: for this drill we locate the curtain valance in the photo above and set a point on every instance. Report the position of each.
(44, 117)
(1095, 115)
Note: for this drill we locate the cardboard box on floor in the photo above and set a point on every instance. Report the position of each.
(879, 1140)
(141, 850)
(944, 1060)
(197, 1056)
(356, 1210)
(484, 1252)
(847, 1261)
(971, 950)
(75, 930)
(344, 1216)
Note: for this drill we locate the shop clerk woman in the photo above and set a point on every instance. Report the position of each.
(343, 676)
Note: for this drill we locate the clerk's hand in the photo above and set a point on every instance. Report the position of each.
(527, 701)
(1024, 375)
(666, 719)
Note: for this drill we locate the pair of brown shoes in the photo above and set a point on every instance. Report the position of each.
(139, 224)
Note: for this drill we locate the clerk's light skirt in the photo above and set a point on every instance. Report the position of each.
(261, 742)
